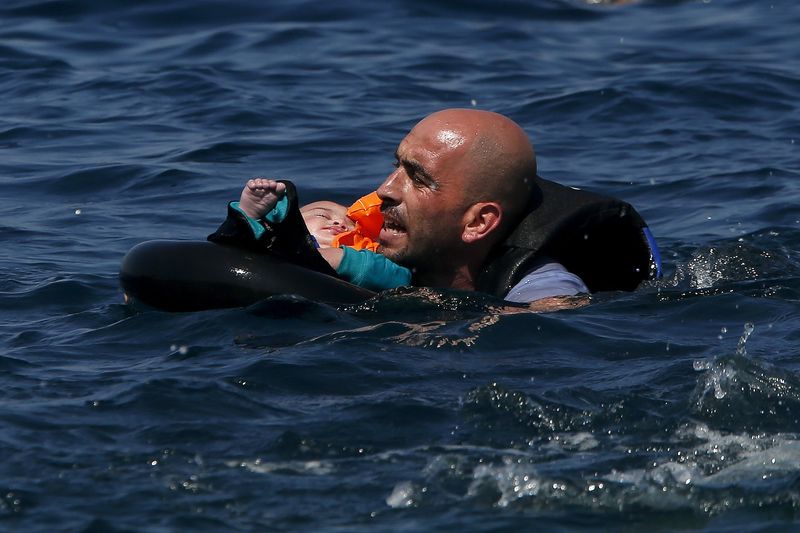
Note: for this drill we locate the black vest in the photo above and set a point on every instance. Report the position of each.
(601, 239)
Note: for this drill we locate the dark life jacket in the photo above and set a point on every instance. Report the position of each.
(601, 239)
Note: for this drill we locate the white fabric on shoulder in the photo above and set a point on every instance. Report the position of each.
(546, 280)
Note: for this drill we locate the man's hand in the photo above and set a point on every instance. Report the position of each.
(557, 303)
(546, 305)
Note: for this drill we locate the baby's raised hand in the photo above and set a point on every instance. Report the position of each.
(260, 195)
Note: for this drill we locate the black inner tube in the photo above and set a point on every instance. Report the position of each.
(198, 275)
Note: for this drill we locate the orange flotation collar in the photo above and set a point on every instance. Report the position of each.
(366, 213)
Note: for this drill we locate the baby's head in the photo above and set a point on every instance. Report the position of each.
(325, 220)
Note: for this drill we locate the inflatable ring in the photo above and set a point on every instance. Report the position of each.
(198, 275)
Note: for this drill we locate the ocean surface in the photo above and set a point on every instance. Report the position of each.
(675, 407)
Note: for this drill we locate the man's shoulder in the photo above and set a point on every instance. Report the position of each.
(546, 278)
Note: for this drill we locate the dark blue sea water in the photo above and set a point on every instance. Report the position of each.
(675, 407)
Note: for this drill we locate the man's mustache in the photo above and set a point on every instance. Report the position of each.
(392, 213)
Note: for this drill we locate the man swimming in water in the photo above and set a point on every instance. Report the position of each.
(343, 242)
(464, 179)
(465, 209)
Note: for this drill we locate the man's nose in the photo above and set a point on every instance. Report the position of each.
(389, 191)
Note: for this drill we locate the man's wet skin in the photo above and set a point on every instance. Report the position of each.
(459, 174)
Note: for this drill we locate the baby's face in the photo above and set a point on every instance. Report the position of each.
(326, 220)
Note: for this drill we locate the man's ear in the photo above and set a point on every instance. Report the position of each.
(480, 220)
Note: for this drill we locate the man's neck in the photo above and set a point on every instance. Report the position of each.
(461, 278)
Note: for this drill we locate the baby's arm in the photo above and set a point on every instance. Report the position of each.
(280, 231)
(260, 195)
(333, 256)
(262, 200)
(366, 269)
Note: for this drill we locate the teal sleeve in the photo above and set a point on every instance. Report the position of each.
(275, 215)
(372, 271)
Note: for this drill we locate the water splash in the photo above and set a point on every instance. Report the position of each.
(697, 470)
(748, 330)
(713, 269)
(739, 392)
(404, 494)
(720, 375)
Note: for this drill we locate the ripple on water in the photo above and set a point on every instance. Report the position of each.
(421, 410)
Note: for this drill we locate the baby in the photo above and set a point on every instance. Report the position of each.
(347, 245)
(324, 219)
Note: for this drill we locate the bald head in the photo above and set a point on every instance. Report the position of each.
(499, 162)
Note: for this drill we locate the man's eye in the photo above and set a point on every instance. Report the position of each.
(419, 180)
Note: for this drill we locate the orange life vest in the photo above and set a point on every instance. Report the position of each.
(366, 213)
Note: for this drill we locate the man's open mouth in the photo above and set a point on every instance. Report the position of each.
(392, 224)
(391, 228)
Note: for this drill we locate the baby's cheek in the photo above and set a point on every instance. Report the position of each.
(324, 240)
(313, 227)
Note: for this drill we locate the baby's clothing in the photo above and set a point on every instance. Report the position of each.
(360, 264)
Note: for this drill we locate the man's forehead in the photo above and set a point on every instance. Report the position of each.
(450, 138)
(435, 139)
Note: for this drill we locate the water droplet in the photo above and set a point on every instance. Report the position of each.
(748, 330)
(718, 392)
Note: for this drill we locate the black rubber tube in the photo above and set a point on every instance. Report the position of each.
(198, 275)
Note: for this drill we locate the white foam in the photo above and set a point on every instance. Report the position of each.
(514, 481)
(317, 468)
(402, 495)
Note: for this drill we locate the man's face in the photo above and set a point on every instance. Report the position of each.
(325, 220)
(424, 198)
